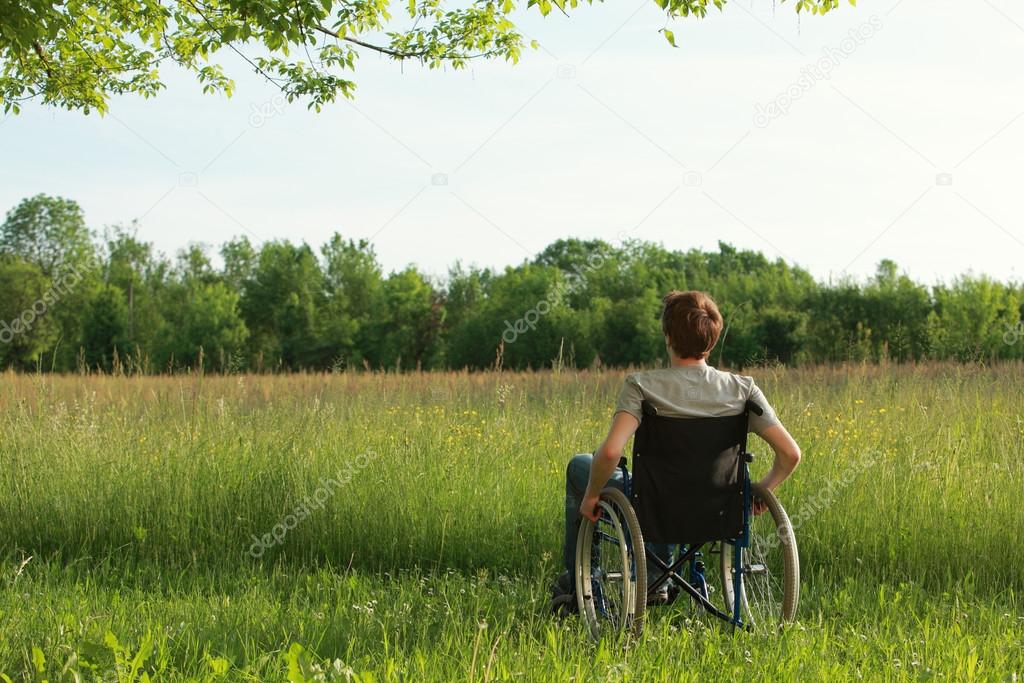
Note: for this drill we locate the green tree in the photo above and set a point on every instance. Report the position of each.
(142, 277)
(209, 321)
(51, 233)
(194, 265)
(975, 315)
(239, 262)
(465, 290)
(898, 310)
(200, 315)
(354, 288)
(26, 331)
(408, 329)
(280, 306)
(780, 334)
(105, 330)
(525, 310)
(76, 54)
(629, 329)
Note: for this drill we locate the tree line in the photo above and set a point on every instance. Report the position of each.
(71, 300)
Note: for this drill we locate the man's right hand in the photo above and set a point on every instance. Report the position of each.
(589, 507)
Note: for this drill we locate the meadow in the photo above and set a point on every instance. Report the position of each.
(384, 527)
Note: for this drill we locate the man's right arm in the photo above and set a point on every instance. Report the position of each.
(787, 455)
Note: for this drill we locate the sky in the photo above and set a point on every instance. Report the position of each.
(890, 130)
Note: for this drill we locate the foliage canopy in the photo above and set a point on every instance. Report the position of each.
(77, 54)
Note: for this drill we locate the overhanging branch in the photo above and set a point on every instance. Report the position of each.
(397, 54)
(383, 50)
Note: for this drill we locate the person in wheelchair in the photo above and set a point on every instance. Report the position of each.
(687, 388)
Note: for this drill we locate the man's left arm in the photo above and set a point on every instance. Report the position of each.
(606, 459)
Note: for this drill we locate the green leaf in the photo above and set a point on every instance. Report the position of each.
(219, 665)
(38, 660)
(670, 37)
(145, 650)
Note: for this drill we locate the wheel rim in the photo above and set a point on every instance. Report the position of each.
(606, 594)
(770, 572)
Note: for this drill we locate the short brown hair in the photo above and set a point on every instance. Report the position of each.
(692, 322)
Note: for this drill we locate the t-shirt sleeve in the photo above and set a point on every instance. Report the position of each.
(759, 423)
(630, 398)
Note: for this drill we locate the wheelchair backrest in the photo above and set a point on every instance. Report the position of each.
(687, 482)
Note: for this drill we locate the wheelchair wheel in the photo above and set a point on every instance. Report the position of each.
(611, 569)
(770, 588)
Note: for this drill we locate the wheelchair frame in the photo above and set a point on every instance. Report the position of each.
(692, 554)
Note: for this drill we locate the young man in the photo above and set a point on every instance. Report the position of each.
(689, 387)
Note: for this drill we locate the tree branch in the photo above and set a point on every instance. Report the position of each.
(395, 53)
(42, 56)
(384, 50)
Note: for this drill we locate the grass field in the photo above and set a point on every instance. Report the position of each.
(418, 522)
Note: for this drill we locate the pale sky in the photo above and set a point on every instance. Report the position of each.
(910, 149)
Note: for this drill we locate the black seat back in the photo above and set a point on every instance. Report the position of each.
(687, 486)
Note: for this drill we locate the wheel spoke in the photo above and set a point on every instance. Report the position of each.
(607, 575)
(769, 568)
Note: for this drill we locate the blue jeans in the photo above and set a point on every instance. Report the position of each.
(577, 476)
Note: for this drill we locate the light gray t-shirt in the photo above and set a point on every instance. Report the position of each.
(695, 391)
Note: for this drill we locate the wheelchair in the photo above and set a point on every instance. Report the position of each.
(690, 488)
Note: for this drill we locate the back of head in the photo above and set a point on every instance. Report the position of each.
(692, 323)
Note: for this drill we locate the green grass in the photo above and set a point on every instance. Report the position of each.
(138, 499)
